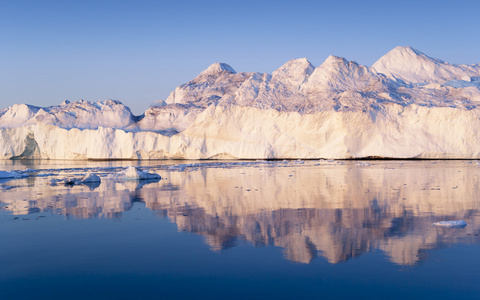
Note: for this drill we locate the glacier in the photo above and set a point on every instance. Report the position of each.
(407, 105)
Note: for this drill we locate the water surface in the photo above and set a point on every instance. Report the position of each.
(217, 230)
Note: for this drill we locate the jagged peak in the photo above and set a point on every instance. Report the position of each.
(407, 54)
(158, 103)
(333, 63)
(23, 107)
(407, 49)
(81, 102)
(411, 65)
(336, 63)
(111, 102)
(295, 68)
(296, 64)
(217, 68)
(332, 59)
(339, 74)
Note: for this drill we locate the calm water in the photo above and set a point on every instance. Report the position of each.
(242, 230)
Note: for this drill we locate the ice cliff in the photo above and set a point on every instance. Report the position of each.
(407, 105)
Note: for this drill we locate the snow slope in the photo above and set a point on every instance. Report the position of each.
(339, 109)
(411, 65)
(81, 114)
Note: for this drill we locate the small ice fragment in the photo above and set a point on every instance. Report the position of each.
(53, 181)
(452, 224)
(363, 164)
(90, 178)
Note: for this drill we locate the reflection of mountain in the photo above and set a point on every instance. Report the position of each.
(109, 200)
(332, 210)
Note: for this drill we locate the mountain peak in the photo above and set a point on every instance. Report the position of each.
(294, 72)
(412, 65)
(407, 53)
(338, 74)
(406, 50)
(332, 59)
(217, 68)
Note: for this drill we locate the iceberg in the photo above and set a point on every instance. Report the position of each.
(407, 105)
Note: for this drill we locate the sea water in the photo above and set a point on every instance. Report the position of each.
(241, 230)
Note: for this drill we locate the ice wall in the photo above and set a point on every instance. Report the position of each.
(246, 132)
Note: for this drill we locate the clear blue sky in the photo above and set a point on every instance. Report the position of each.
(139, 51)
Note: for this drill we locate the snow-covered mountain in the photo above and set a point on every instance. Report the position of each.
(81, 114)
(406, 105)
(411, 65)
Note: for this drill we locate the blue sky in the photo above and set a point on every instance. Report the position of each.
(139, 51)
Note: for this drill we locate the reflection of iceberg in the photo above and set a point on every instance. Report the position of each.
(91, 184)
(110, 199)
(337, 211)
(334, 211)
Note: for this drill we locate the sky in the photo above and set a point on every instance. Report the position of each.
(139, 51)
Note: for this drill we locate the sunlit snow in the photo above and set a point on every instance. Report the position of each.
(407, 105)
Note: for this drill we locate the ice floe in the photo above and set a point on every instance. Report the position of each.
(11, 175)
(132, 173)
(452, 224)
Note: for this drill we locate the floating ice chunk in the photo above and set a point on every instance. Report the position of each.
(90, 178)
(452, 224)
(132, 173)
(363, 164)
(54, 181)
(8, 175)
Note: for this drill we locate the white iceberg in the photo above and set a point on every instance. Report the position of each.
(451, 224)
(132, 173)
(407, 105)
